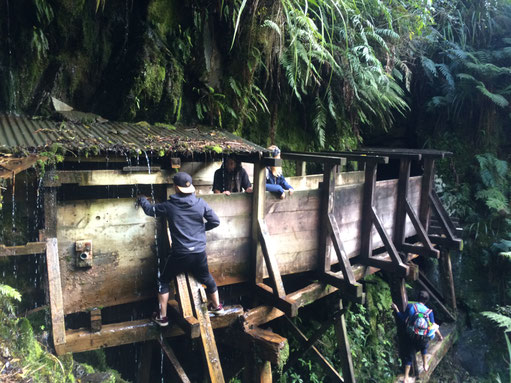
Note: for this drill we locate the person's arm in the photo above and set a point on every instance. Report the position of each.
(152, 210)
(284, 183)
(212, 219)
(245, 182)
(217, 182)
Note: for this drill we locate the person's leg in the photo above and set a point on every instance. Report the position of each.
(163, 300)
(424, 351)
(407, 372)
(171, 268)
(200, 271)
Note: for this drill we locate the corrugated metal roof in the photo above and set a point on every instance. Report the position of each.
(36, 134)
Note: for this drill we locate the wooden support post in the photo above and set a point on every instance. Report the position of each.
(144, 362)
(447, 279)
(265, 375)
(402, 197)
(28, 249)
(367, 210)
(326, 207)
(174, 362)
(95, 320)
(301, 168)
(56, 301)
(206, 330)
(348, 372)
(258, 198)
(427, 185)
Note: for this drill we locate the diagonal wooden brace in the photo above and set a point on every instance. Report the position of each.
(182, 310)
(271, 262)
(427, 248)
(395, 265)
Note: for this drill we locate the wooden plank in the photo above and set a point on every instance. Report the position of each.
(348, 372)
(328, 368)
(95, 320)
(144, 362)
(312, 157)
(186, 319)
(301, 168)
(174, 362)
(55, 288)
(50, 211)
(258, 202)
(270, 260)
(189, 324)
(28, 249)
(206, 330)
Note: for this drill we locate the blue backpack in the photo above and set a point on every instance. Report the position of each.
(418, 324)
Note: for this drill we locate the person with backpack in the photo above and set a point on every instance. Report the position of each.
(275, 181)
(420, 325)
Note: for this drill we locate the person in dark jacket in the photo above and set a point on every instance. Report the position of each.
(231, 178)
(185, 214)
(417, 340)
(275, 181)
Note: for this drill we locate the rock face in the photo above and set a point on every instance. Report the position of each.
(118, 60)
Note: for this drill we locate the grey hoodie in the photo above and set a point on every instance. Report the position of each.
(185, 214)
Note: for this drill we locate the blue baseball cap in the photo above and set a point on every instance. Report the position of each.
(183, 182)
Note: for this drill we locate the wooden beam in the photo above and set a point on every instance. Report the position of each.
(328, 368)
(312, 157)
(206, 330)
(301, 168)
(258, 198)
(189, 324)
(426, 187)
(271, 262)
(431, 293)
(352, 291)
(348, 372)
(396, 265)
(447, 279)
(95, 320)
(28, 249)
(174, 362)
(455, 244)
(183, 314)
(326, 207)
(421, 232)
(55, 289)
(144, 362)
(367, 208)
(342, 257)
(265, 375)
(50, 211)
(284, 304)
(268, 345)
(402, 195)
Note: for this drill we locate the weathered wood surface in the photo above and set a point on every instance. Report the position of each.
(124, 264)
(117, 334)
(28, 249)
(124, 261)
(206, 330)
(55, 288)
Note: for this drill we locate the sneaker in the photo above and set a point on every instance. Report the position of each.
(219, 311)
(160, 321)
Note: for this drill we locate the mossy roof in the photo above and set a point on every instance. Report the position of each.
(89, 133)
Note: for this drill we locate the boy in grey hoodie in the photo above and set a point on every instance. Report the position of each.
(185, 214)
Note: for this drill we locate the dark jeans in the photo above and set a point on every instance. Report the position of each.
(194, 263)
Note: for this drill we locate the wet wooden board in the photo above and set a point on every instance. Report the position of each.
(28, 249)
(123, 246)
(55, 289)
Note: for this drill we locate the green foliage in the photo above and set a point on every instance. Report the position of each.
(502, 319)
